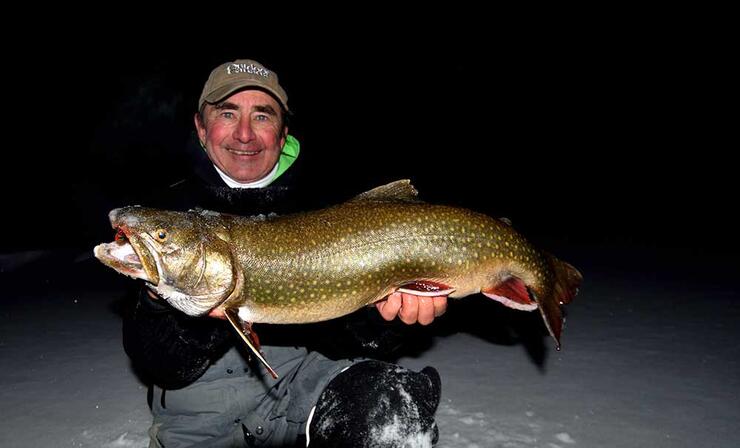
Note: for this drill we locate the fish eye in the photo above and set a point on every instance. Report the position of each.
(162, 234)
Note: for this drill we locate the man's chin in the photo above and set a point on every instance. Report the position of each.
(244, 169)
(248, 178)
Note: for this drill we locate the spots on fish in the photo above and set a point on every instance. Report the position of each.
(334, 264)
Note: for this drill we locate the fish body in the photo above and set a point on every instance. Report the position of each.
(322, 264)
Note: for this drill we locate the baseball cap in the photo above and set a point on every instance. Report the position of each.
(229, 77)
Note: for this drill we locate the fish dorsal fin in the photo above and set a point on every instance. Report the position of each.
(400, 190)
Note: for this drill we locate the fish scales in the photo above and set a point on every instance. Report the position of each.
(354, 254)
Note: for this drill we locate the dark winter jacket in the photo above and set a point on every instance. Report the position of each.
(174, 349)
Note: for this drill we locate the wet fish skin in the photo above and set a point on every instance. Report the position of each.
(323, 264)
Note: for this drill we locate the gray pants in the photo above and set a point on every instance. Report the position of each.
(238, 404)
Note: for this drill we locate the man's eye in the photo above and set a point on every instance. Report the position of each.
(261, 117)
(227, 114)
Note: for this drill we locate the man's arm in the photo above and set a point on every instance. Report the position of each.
(171, 348)
(174, 349)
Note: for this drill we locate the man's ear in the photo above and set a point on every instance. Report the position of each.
(200, 127)
(283, 136)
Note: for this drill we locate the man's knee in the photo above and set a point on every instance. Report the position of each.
(377, 404)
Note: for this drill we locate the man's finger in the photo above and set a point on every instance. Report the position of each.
(440, 305)
(389, 308)
(218, 313)
(426, 310)
(409, 313)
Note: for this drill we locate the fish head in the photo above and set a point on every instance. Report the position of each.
(183, 256)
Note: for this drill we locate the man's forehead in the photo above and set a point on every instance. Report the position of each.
(251, 98)
(234, 106)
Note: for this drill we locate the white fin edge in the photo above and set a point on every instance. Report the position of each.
(441, 292)
(510, 303)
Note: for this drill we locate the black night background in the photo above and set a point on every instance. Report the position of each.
(615, 142)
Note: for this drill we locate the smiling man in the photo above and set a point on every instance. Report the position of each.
(244, 136)
(205, 391)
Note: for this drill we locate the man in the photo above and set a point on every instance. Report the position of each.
(206, 391)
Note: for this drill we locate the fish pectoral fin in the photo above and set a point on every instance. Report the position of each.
(248, 336)
(426, 288)
(513, 293)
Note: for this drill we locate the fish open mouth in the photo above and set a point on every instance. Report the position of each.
(127, 256)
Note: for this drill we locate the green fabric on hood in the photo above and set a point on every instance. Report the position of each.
(289, 154)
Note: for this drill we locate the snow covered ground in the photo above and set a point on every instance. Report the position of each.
(646, 362)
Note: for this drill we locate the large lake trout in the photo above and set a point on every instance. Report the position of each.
(322, 264)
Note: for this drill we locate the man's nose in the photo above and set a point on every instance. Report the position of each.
(243, 131)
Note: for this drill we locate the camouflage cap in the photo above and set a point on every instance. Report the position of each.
(229, 77)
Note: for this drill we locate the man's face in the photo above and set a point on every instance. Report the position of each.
(242, 134)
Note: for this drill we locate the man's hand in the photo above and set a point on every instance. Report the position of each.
(218, 313)
(412, 309)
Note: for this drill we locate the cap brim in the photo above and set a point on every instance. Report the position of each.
(228, 89)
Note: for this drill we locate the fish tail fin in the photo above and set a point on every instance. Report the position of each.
(566, 280)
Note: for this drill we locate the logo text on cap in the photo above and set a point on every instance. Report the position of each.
(247, 68)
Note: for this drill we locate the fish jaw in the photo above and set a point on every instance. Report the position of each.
(129, 257)
(127, 254)
(122, 258)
